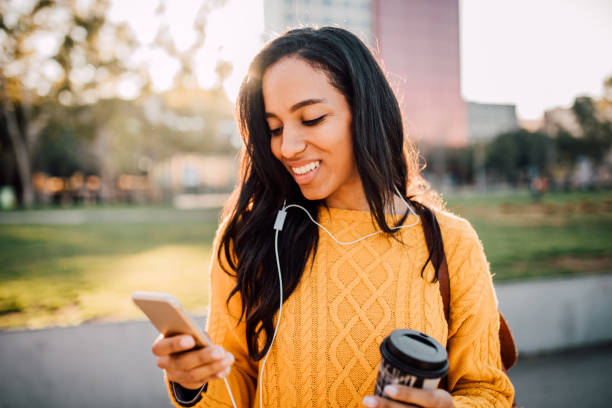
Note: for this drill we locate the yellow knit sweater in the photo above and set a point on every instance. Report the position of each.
(326, 353)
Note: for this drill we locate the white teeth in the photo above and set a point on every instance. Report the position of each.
(306, 168)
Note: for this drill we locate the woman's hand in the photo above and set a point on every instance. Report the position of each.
(191, 368)
(418, 397)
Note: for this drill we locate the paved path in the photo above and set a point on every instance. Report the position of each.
(579, 378)
(111, 365)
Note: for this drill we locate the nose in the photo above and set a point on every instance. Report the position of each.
(292, 143)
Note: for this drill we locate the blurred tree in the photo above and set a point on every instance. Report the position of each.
(62, 150)
(596, 137)
(569, 147)
(52, 51)
(186, 76)
(513, 155)
(63, 69)
(607, 94)
(460, 164)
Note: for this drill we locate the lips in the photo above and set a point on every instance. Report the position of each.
(305, 172)
(305, 168)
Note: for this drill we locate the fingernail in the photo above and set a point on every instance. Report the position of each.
(227, 361)
(217, 353)
(390, 390)
(187, 342)
(370, 402)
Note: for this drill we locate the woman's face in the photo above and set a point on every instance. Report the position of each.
(310, 132)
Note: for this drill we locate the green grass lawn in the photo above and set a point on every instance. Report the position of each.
(564, 233)
(68, 274)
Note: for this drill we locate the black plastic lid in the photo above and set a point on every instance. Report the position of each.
(415, 352)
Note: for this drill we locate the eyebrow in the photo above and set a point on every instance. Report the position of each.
(299, 105)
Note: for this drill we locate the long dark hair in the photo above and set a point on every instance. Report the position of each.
(384, 160)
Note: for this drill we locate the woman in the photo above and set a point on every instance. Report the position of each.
(323, 130)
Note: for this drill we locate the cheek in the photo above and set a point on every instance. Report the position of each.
(275, 146)
(347, 162)
(341, 147)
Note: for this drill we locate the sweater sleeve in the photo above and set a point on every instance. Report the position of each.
(476, 377)
(223, 328)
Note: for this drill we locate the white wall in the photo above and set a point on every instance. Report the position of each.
(553, 314)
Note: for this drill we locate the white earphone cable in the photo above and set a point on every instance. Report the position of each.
(229, 390)
(278, 226)
(280, 312)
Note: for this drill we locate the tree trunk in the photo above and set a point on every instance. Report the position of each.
(106, 174)
(22, 155)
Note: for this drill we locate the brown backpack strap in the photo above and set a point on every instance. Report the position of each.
(444, 283)
(509, 354)
(430, 227)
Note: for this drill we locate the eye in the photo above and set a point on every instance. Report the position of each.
(313, 122)
(276, 132)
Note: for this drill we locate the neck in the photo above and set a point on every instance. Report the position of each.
(353, 199)
(360, 203)
(361, 206)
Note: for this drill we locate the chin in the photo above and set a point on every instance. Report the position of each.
(313, 194)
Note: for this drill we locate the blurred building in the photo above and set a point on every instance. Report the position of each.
(193, 174)
(418, 43)
(557, 118)
(487, 120)
(532, 125)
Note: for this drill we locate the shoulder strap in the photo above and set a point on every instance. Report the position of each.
(445, 288)
(509, 354)
(508, 351)
(444, 285)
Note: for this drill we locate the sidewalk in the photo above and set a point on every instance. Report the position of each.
(111, 365)
(577, 378)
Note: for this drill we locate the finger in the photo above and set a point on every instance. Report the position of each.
(215, 367)
(208, 355)
(199, 375)
(378, 402)
(175, 344)
(196, 358)
(419, 396)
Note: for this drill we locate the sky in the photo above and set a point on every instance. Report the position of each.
(537, 54)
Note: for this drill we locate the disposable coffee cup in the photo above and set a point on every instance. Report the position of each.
(411, 358)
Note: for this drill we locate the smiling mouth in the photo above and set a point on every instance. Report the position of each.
(300, 171)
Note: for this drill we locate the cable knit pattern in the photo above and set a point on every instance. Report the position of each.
(326, 351)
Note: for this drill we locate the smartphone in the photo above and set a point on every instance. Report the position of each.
(167, 314)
